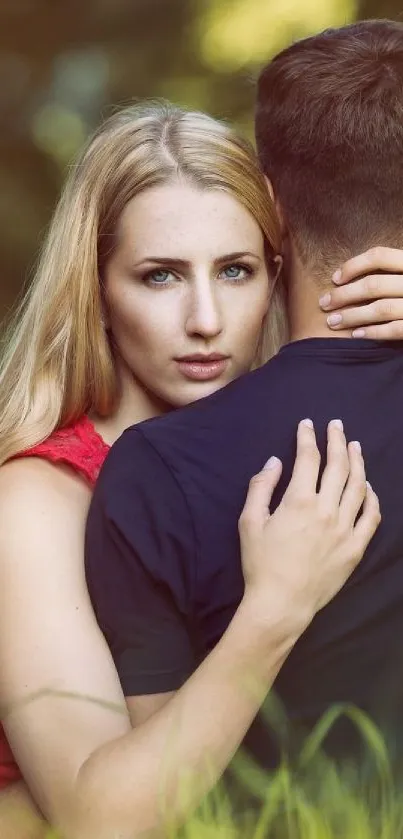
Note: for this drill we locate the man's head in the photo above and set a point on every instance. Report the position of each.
(329, 132)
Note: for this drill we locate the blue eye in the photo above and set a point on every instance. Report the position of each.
(236, 272)
(158, 277)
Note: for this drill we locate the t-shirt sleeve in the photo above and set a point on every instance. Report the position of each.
(140, 563)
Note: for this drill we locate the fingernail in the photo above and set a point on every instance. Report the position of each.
(336, 423)
(334, 319)
(358, 333)
(368, 484)
(307, 422)
(325, 301)
(271, 463)
(356, 445)
(337, 276)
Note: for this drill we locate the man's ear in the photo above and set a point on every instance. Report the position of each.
(277, 205)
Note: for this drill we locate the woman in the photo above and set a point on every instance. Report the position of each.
(90, 355)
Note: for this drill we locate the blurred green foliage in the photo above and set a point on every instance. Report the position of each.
(65, 63)
(308, 797)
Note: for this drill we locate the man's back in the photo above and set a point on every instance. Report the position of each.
(173, 489)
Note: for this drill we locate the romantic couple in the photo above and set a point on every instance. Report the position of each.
(143, 624)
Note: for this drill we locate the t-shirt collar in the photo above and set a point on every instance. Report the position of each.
(347, 347)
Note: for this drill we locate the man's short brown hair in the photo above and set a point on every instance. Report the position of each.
(329, 132)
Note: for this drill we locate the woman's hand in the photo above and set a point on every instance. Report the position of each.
(300, 556)
(368, 297)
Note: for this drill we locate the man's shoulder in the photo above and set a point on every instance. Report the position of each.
(160, 451)
(133, 464)
(234, 399)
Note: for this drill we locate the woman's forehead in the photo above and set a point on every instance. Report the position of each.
(177, 218)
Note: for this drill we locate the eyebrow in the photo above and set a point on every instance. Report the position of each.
(183, 263)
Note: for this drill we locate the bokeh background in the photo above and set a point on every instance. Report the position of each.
(65, 63)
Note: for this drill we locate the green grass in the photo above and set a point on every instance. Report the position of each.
(312, 799)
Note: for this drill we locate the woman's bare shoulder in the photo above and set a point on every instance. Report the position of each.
(40, 498)
(30, 475)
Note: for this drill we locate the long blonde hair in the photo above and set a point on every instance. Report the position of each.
(57, 362)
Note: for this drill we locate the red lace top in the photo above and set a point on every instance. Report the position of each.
(82, 448)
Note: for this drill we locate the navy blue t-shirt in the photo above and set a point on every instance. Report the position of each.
(162, 550)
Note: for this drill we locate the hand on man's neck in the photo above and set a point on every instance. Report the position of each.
(306, 319)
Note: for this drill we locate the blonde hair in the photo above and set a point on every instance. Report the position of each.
(57, 363)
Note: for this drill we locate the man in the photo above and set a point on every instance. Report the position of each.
(164, 570)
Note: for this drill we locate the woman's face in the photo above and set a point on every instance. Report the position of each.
(186, 291)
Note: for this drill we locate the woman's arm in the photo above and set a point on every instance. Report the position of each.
(93, 775)
(19, 816)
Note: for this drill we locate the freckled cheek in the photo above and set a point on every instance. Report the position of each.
(144, 339)
(247, 324)
(249, 340)
(127, 319)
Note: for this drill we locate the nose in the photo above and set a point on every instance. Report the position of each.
(204, 313)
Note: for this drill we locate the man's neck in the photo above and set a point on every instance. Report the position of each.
(306, 319)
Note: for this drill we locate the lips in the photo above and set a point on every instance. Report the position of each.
(203, 367)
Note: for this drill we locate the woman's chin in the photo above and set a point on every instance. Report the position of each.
(193, 391)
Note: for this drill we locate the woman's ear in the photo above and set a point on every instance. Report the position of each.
(274, 275)
(278, 261)
(270, 188)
